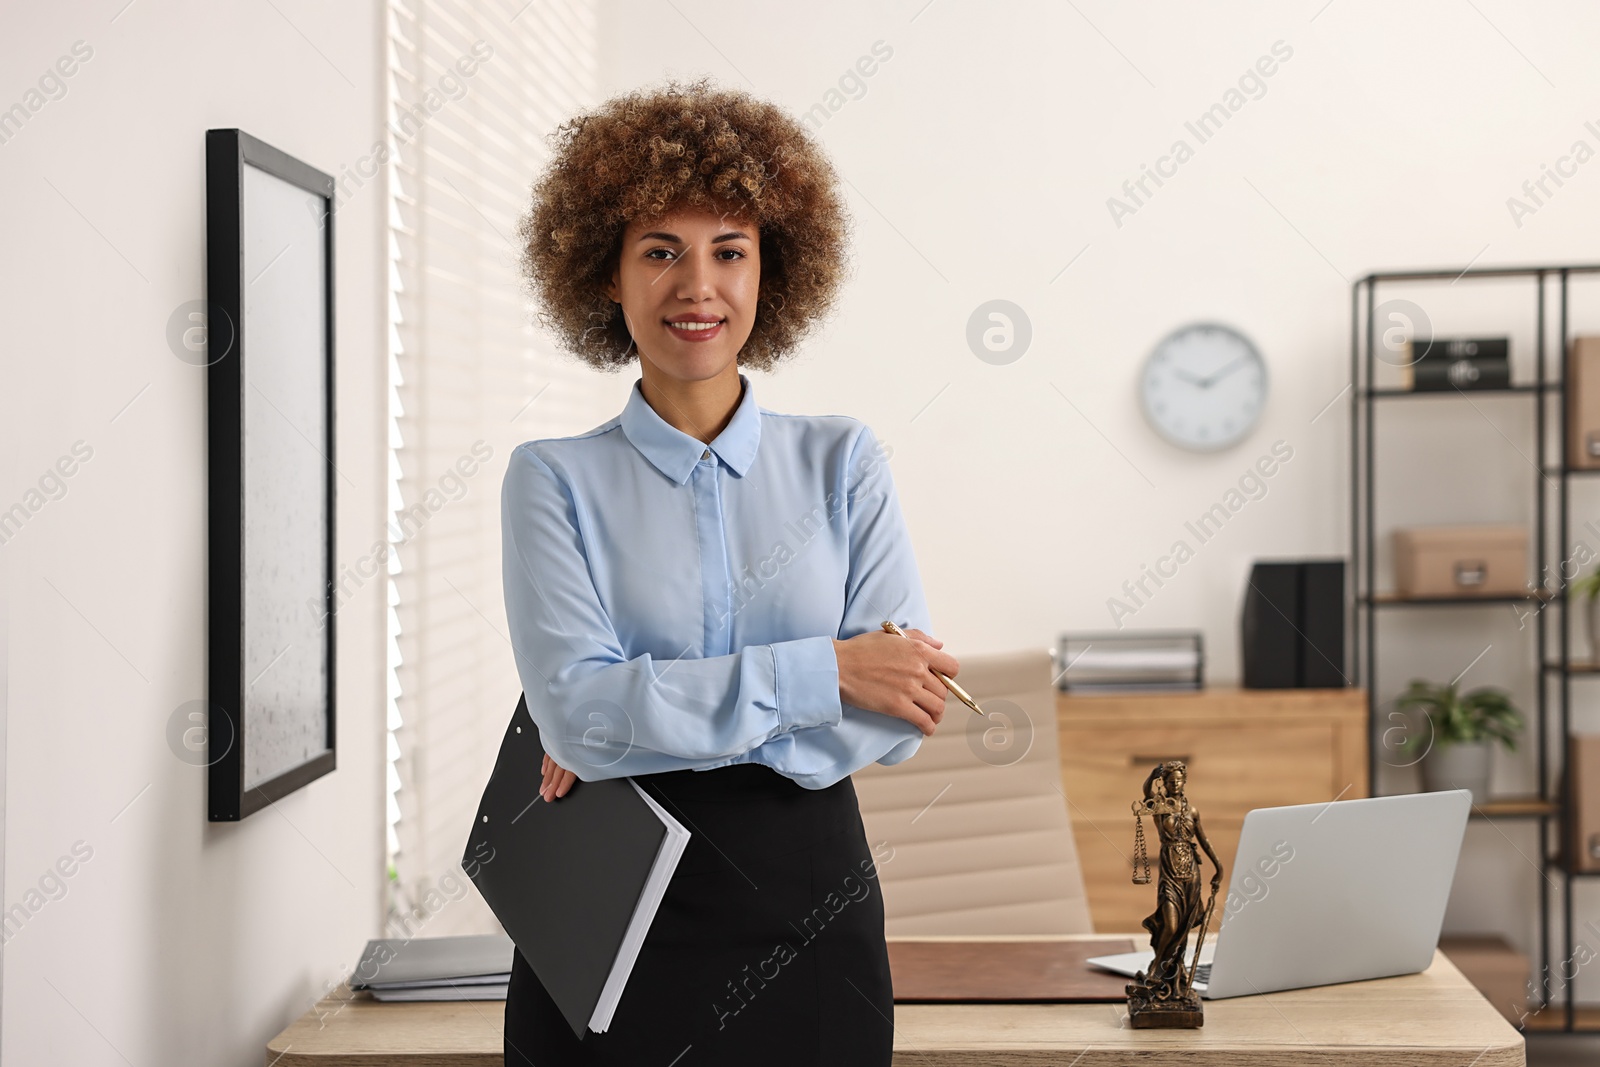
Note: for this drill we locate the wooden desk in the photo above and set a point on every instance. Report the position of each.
(1432, 1018)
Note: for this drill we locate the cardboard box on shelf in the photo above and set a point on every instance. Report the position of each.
(1461, 561)
(1583, 776)
(1583, 403)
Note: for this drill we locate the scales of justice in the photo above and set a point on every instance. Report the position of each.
(1165, 998)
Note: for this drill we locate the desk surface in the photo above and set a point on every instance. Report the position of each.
(1435, 1017)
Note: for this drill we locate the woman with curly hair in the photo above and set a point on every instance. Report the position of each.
(696, 587)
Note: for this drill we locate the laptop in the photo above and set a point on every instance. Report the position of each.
(1328, 893)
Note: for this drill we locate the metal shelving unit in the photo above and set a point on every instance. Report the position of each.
(1551, 719)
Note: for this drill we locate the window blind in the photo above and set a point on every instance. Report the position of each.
(474, 88)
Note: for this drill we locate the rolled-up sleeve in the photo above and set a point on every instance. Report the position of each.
(603, 715)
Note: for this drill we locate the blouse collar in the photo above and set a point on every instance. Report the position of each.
(675, 453)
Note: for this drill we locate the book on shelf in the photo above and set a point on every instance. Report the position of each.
(1428, 377)
(1449, 348)
(1440, 364)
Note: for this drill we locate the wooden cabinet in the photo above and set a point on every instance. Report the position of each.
(1245, 748)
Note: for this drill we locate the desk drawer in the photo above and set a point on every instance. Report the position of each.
(1231, 770)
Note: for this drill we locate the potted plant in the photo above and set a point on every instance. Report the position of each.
(1587, 589)
(1462, 730)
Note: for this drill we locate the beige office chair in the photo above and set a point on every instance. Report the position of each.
(971, 836)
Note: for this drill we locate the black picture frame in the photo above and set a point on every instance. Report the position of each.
(263, 472)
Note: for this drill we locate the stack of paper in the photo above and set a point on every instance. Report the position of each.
(1128, 662)
(473, 967)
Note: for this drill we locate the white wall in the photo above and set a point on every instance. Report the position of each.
(980, 158)
(177, 941)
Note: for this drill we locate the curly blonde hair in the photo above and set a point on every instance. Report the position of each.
(651, 152)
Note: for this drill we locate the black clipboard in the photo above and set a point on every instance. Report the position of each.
(566, 879)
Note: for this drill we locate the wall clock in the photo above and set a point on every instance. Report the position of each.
(1203, 387)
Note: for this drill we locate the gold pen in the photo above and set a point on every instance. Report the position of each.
(960, 693)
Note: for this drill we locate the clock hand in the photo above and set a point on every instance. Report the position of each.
(1212, 379)
(1186, 376)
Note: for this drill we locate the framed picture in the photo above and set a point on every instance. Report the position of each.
(269, 238)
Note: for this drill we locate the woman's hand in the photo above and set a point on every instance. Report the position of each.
(889, 674)
(556, 780)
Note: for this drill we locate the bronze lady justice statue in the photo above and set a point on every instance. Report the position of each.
(1165, 997)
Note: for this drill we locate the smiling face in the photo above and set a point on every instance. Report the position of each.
(688, 283)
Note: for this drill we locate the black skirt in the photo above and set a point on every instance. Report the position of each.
(768, 947)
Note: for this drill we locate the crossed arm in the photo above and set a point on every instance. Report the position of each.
(601, 714)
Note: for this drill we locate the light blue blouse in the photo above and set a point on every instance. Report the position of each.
(673, 605)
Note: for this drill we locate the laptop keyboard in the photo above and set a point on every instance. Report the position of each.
(1202, 973)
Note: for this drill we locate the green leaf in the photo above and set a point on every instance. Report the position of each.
(1485, 713)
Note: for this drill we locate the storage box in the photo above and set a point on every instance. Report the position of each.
(1463, 561)
(1583, 403)
(1583, 778)
(1499, 971)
